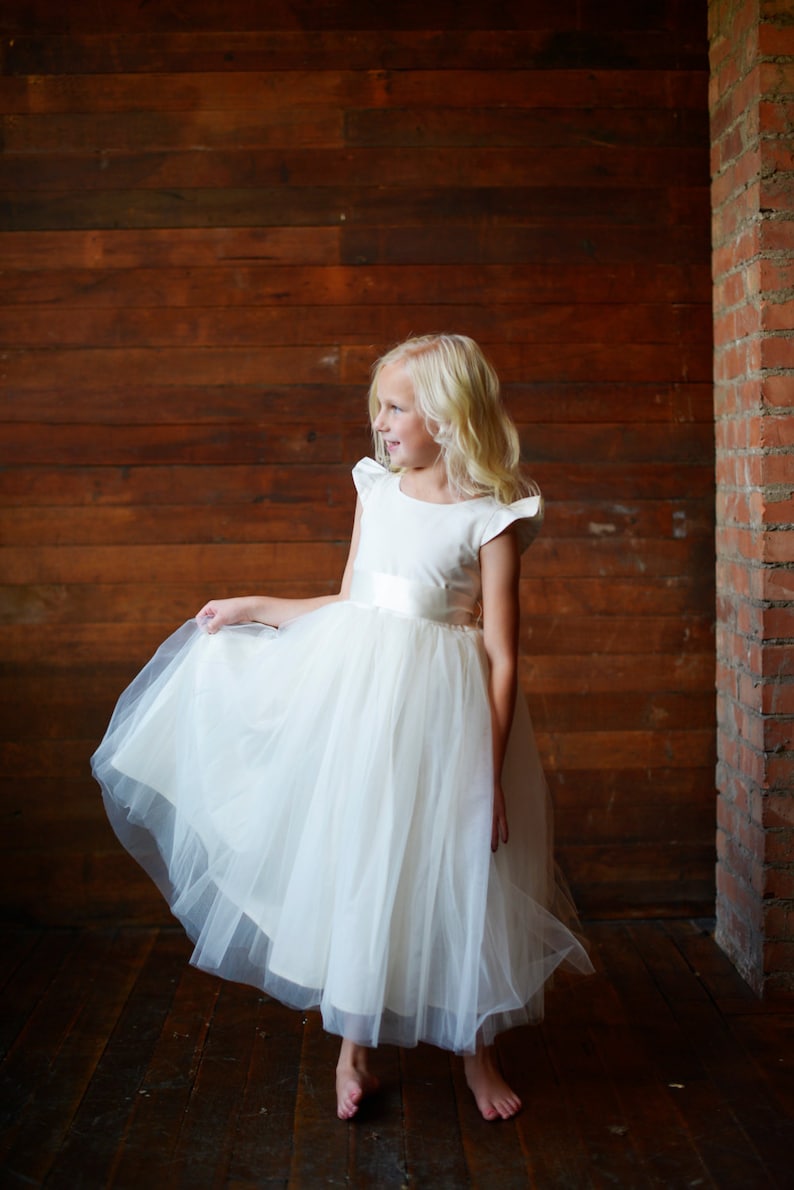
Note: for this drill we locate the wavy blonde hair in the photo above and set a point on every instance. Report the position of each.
(457, 393)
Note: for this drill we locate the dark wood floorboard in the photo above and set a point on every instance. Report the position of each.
(122, 1066)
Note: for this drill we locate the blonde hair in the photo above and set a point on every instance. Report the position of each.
(457, 393)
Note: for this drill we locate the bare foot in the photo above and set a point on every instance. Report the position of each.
(353, 1080)
(495, 1099)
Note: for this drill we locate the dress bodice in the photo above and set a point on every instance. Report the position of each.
(428, 546)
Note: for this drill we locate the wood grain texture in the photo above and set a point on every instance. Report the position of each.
(230, 50)
(212, 220)
(662, 1069)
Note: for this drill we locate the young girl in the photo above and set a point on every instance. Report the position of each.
(322, 788)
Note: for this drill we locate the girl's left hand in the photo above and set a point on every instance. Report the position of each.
(499, 828)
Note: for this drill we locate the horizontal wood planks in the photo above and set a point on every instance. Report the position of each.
(211, 222)
(122, 1065)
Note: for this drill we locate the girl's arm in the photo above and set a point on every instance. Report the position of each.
(500, 565)
(269, 609)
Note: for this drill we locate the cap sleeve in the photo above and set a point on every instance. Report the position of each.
(366, 473)
(526, 515)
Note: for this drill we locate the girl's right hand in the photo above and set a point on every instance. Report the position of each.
(499, 831)
(219, 612)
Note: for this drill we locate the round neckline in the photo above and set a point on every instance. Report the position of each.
(435, 503)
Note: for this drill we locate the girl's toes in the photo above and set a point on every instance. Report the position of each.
(509, 1107)
(348, 1100)
(350, 1090)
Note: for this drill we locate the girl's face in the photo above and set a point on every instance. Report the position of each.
(400, 424)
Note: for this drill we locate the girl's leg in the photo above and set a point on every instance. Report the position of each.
(495, 1099)
(353, 1080)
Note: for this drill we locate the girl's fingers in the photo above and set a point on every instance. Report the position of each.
(207, 618)
(499, 831)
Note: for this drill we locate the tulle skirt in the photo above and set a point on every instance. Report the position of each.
(315, 805)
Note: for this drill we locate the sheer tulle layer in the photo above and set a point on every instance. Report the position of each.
(315, 805)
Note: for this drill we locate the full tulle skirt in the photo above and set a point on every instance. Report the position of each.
(315, 805)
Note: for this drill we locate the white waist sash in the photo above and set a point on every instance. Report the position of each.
(398, 594)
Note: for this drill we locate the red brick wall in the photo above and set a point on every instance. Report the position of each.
(752, 104)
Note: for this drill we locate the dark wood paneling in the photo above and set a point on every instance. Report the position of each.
(421, 88)
(122, 326)
(211, 221)
(320, 127)
(230, 51)
(399, 168)
(586, 18)
(663, 1069)
(434, 286)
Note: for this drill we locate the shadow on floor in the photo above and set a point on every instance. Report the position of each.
(123, 1066)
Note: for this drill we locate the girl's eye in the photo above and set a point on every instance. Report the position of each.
(396, 409)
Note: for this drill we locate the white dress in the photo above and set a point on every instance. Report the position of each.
(315, 802)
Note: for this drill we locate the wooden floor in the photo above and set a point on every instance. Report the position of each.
(123, 1066)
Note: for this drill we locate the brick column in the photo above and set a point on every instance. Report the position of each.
(752, 110)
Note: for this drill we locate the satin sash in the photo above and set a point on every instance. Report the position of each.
(398, 594)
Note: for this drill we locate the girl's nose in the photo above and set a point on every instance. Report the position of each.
(379, 423)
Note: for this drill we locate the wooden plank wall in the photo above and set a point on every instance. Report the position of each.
(214, 216)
